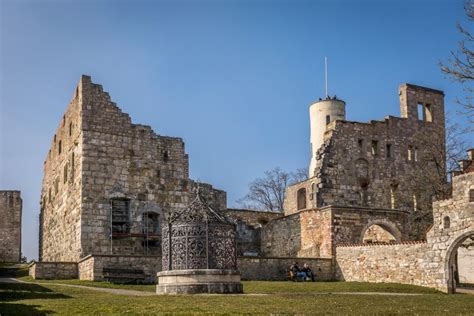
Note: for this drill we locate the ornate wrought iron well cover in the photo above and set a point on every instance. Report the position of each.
(200, 238)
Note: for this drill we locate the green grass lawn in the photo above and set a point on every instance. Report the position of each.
(275, 297)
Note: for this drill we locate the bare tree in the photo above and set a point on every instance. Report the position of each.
(460, 65)
(268, 192)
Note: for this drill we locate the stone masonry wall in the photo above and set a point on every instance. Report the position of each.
(91, 267)
(249, 229)
(315, 233)
(276, 269)
(10, 226)
(431, 264)
(60, 203)
(53, 270)
(369, 165)
(97, 156)
(399, 263)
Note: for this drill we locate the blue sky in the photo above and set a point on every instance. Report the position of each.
(234, 79)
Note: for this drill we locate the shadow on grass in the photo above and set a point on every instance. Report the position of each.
(22, 291)
(20, 309)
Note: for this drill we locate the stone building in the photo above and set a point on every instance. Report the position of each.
(10, 226)
(108, 183)
(443, 261)
(391, 166)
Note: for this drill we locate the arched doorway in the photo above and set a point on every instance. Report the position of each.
(380, 232)
(458, 261)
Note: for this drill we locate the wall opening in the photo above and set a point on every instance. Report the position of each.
(165, 156)
(301, 199)
(420, 111)
(70, 129)
(393, 196)
(378, 234)
(120, 216)
(471, 195)
(460, 262)
(446, 222)
(65, 173)
(375, 148)
(428, 113)
(60, 147)
(388, 151)
(360, 143)
(364, 198)
(410, 153)
(328, 119)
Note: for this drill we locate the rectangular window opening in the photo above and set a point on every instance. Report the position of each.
(120, 216)
(388, 151)
(375, 148)
(420, 111)
(410, 153)
(428, 113)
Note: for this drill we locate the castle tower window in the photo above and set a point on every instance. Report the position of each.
(328, 119)
(410, 153)
(360, 143)
(428, 113)
(471, 195)
(364, 194)
(120, 216)
(415, 203)
(165, 156)
(59, 147)
(420, 111)
(415, 154)
(393, 197)
(388, 151)
(375, 148)
(56, 186)
(446, 222)
(311, 195)
(72, 166)
(65, 173)
(70, 129)
(301, 199)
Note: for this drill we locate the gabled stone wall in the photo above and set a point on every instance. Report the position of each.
(97, 154)
(10, 226)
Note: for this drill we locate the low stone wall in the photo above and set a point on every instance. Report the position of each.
(91, 267)
(53, 270)
(398, 263)
(276, 268)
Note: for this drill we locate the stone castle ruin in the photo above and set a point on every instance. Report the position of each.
(109, 184)
(10, 226)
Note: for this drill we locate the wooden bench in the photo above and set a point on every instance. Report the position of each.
(121, 275)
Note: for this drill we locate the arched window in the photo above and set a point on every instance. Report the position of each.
(446, 222)
(301, 199)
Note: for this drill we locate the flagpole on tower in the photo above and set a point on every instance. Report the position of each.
(326, 74)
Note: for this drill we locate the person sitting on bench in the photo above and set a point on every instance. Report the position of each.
(308, 273)
(295, 271)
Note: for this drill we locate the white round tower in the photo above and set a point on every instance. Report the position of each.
(321, 113)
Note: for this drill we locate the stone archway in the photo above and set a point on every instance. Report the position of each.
(450, 262)
(386, 225)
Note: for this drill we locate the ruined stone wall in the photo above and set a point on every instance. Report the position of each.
(315, 233)
(91, 267)
(98, 157)
(276, 268)
(431, 264)
(10, 226)
(60, 203)
(249, 227)
(399, 263)
(381, 164)
(53, 270)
